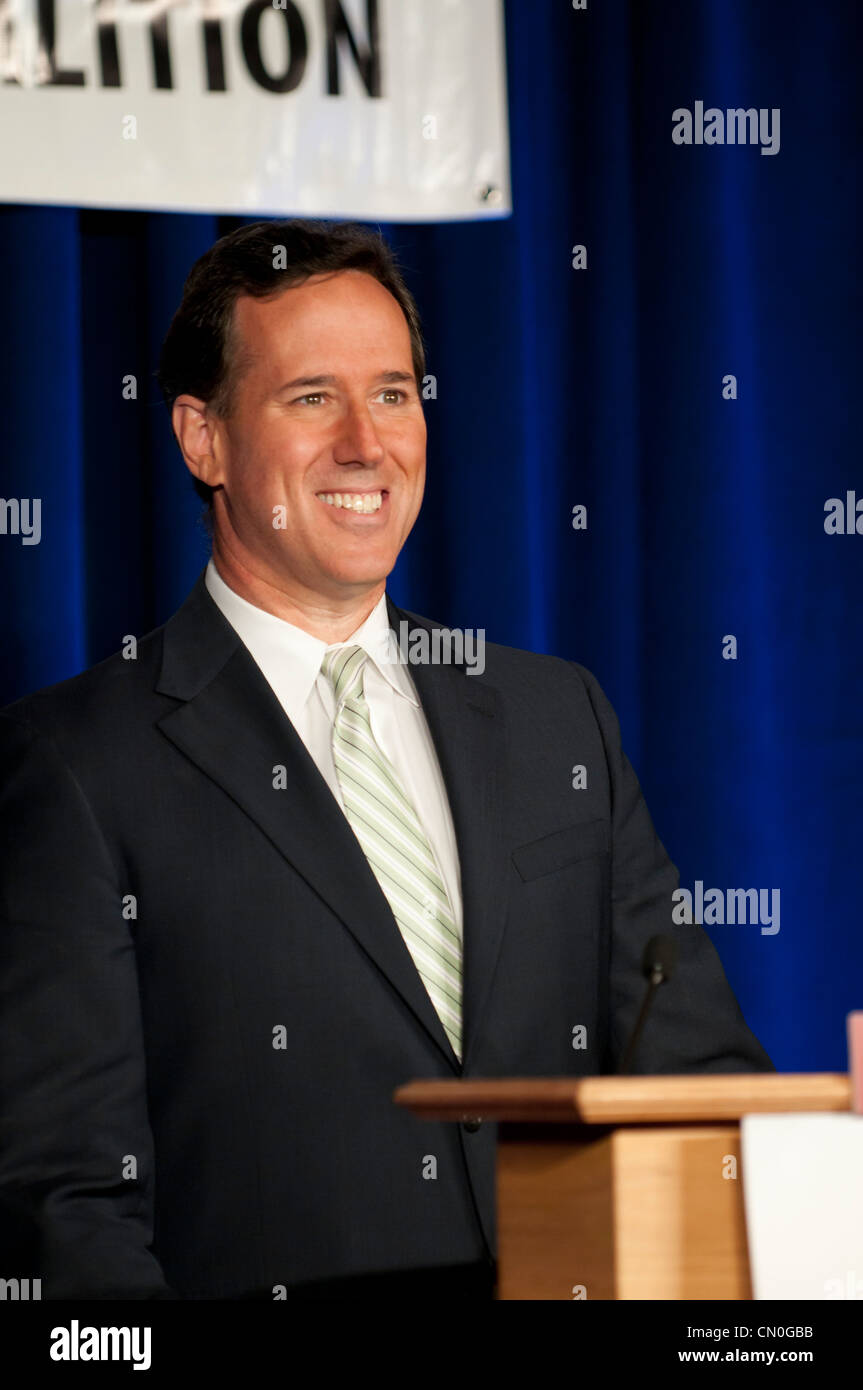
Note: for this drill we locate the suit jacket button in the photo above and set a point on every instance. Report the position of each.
(471, 1125)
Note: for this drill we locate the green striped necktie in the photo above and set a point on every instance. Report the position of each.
(389, 831)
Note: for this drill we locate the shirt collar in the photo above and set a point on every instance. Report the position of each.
(291, 658)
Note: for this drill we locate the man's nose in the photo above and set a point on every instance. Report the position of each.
(358, 439)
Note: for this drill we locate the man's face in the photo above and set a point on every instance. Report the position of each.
(325, 405)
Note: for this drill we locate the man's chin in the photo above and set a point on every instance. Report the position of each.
(359, 575)
(342, 581)
(356, 584)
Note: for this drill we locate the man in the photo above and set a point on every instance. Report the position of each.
(261, 875)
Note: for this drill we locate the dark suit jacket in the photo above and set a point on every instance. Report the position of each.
(167, 910)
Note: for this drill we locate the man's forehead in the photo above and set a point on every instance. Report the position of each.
(343, 310)
(322, 296)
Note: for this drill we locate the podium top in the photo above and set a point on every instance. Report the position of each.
(616, 1100)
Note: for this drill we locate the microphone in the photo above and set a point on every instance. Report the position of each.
(657, 967)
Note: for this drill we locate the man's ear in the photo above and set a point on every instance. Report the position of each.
(195, 428)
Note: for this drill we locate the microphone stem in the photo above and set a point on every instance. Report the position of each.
(656, 978)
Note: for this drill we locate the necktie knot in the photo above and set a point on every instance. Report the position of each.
(343, 668)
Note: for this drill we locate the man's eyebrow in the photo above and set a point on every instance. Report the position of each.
(308, 381)
(391, 378)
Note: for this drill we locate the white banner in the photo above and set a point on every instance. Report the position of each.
(375, 109)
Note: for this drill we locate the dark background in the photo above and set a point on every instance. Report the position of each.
(558, 387)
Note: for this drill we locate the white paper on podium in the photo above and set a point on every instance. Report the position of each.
(803, 1196)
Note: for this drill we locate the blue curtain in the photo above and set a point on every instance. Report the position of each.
(560, 387)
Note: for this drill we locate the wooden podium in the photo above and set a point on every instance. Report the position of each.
(622, 1187)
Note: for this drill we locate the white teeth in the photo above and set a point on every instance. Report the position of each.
(364, 502)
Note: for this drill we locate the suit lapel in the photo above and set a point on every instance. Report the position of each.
(230, 724)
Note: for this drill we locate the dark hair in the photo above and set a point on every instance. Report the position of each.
(197, 355)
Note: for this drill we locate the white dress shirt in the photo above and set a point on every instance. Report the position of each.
(290, 660)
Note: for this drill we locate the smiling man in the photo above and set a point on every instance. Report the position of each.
(315, 451)
(261, 876)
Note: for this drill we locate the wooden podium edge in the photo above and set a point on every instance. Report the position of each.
(612, 1100)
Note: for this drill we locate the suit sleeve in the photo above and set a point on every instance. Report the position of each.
(76, 1152)
(695, 1024)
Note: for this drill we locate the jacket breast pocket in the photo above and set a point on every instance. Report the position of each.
(562, 848)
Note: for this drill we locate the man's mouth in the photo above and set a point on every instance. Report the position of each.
(362, 502)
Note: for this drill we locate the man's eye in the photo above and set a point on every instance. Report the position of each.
(313, 396)
(394, 391)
